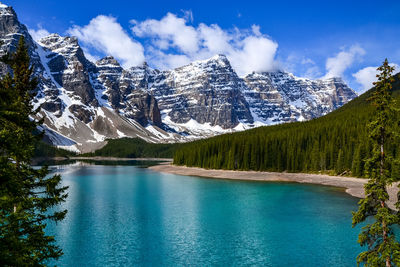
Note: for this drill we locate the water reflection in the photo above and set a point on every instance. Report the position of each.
(83, 162)
(124, 215)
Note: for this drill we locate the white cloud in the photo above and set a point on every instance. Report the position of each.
(188, 15)
(170, 29)
(367, 76)
(213, 38)
(39, 33)
(105, 34)
(335, 66)
(254, 54)
(256, 30)
(173, 42)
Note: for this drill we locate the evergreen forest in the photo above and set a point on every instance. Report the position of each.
(337, 143)
(134, 148)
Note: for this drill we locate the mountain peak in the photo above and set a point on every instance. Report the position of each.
(52, 36)
(54, 41)
(90, 102)
(7, 11)
(219, 58)
(108, 60)
(334, 79)
(67, 46)
(144, 67)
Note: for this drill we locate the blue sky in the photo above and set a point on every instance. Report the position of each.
(308, 38)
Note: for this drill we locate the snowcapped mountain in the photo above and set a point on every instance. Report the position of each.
(84, 103)
(276, 97)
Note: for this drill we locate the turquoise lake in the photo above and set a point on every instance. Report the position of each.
(126, 216)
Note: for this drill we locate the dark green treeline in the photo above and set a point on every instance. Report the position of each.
(134, 148)
(337, 143)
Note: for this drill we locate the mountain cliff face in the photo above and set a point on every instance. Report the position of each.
(84, 103)
(204, 91)
(124, 94)
(276, 97)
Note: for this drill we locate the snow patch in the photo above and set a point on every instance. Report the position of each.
(157, 133)
(100, 112)
(98, 137)
(70, 148)
(121, 134)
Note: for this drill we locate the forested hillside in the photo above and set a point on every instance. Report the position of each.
(134, 148)
(45, 150)
(336, 143)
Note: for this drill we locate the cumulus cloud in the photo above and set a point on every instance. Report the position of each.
(335, 66)
(173, 42)
(213, 38)
(367, 76)
(105, 35)
(256, 30)
(254, 54)
(170, 29)
(39, 33)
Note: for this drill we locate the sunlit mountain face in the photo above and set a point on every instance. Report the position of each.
(84, 103)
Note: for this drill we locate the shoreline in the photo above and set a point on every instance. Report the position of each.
(121, 159)
(101, 158)
(353, 186)
(40, 160)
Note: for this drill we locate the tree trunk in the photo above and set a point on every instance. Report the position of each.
(388, 263)
(17, 166)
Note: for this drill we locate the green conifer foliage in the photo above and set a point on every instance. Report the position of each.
(26, 194)
(378, 236)
(311, 146)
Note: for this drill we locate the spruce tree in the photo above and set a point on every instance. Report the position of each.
(356, 164)
(340, 163)
(28, 195)
(378, 236)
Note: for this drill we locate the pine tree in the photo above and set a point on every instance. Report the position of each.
(378, 236)
(27, 194)
(356, 164)
(340, 163)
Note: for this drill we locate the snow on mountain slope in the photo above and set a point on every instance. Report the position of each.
(84, 103)
(206, 91)
(276, 97)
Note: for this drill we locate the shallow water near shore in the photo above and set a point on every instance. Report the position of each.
(125, 215)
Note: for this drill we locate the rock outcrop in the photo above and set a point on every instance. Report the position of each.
(84, 103)
(279, 96)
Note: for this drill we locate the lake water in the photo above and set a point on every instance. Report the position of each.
(125, 215)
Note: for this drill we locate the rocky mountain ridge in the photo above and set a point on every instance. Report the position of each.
(84, 103)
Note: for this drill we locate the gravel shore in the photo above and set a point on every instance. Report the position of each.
(353, 186)
(121, 159)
